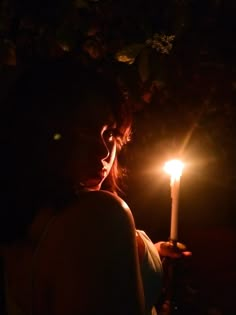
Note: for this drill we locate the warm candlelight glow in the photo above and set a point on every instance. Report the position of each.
(174, 168)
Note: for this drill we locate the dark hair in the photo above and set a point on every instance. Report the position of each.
(45, 98)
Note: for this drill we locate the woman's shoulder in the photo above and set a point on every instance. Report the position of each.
(106, 198)
(82, 249)
(96, 205)
(92, 213)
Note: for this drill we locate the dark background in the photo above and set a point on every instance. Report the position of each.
(183, 104)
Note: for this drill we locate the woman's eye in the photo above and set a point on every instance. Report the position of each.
(109, 135)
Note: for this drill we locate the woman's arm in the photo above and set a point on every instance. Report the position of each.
(88, 263)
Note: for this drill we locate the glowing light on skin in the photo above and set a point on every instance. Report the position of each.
(174, 168)
(124, 205)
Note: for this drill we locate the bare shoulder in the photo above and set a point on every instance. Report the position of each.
(96, 207)
(103, 198)
(81, 252)
(92, 214)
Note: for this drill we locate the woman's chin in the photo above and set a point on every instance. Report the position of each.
(93, 188)
(93, 185)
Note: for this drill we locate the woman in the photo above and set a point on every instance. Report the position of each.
(69, 242)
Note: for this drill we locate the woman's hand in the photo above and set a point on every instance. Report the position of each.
(167, 249)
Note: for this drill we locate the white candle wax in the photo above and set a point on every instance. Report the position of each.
(174, 169)
(174, 209)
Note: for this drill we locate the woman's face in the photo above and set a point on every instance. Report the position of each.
(93, 148)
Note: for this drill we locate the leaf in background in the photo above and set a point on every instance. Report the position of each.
(129, 53)
(161, 42)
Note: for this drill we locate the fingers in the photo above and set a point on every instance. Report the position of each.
(187, 253)
(166, 249)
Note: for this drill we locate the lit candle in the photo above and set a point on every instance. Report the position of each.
(174, 168)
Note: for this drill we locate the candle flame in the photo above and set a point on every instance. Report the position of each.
(174, 168)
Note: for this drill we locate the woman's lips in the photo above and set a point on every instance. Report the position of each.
(98, 174)
(103, 172)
